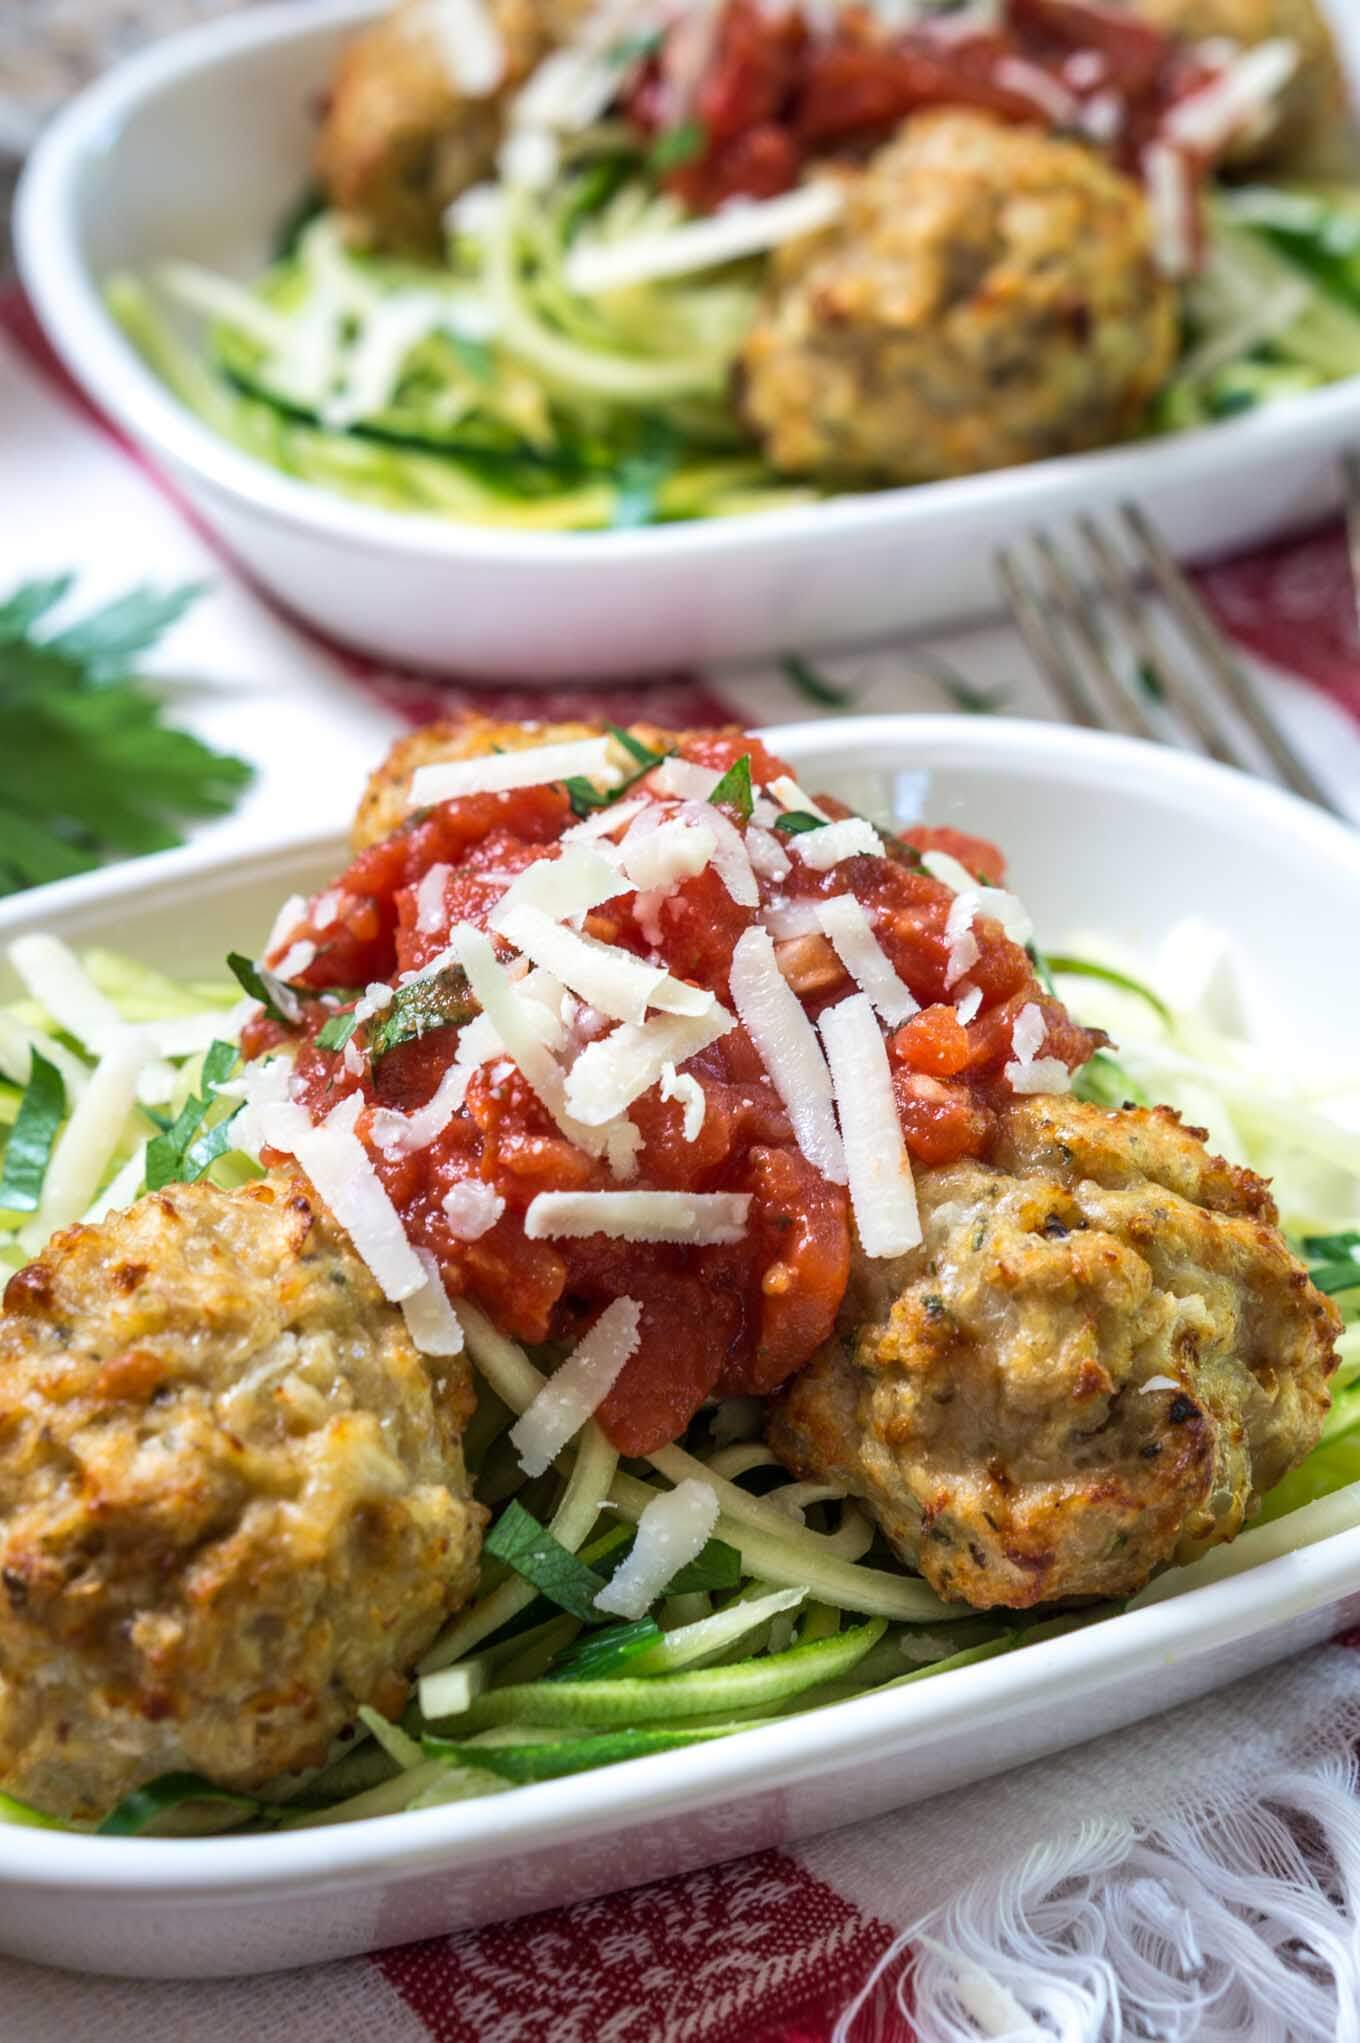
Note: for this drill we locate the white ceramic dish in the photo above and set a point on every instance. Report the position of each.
(197, 149)
(1102, 832)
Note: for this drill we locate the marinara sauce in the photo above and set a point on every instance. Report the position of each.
(726, 1319)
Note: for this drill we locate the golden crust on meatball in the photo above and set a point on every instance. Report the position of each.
(1100, 1359)
(400, 140)
(386, 800)
(1311, 130)
(232, 1499)
(987, 297)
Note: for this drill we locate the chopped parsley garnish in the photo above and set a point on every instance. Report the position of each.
(88, 768)
(811, 682)
(735, 789)
(445, 1001)
(794, 822)
(33, 1137)
(678, 146)
(176, 1155)
(334, 1034)
(583, 794)
(530, 1549)
(265, 986)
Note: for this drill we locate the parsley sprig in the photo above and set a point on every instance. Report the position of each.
(88, 767)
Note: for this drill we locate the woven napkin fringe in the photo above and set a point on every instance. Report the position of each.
(1237, 1926)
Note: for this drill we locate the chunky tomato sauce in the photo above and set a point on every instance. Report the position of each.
(773, 94)
(727, 1319)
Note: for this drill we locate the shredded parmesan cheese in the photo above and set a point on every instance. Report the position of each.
(683, 778)
(575, 1392)
(845, 921)
(1206, 121)
(397, 1134)
(537, 766)
(1157, 1383)
(969, 1003)
(677, 849)
(508, 1013)
(882, 1191)
(339, 1166)
(672, 1531)
(854, 838)
(774, 1018)
(685, 1087)
(1170, 187)
(469, 45)
(730, 862)
(614, 980)
(768, 858)
(699, 1219)
(560, 887)
(471, 1209)
(430, 900)
(789, 795)
(430, 1320)
(611, 1073)
(742, 227)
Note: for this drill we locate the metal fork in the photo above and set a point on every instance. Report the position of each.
(1109, 668)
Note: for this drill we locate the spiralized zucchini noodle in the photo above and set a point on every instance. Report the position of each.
(793, 1602)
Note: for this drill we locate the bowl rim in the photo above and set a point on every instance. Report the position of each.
(1046, 1674)
(85, 336)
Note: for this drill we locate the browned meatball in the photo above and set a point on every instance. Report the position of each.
(988, 296)
(386, 800)
(232, 1498)
(401, 138)
(1101, 1358)
(1311, 129)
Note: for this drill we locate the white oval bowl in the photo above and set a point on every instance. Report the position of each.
(197, 148)
(1102, 832)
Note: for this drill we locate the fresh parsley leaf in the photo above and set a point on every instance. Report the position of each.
(640, 476)
(443, 1002)
(584, 796)
(716, 1566)
(33, 1136)
(811, 682)
(598, 1655)
(641, 755)
(174, 1156)
(109, 639)
(530, 1549)
(88, 767)
(252, 981)
(1334, 1278)
(593, 190)
(678, 146)
(334, 1034)
(735, 788)
(794, 822)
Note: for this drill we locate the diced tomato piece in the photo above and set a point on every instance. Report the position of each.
(799, 1238)
(1134, 49)
(941, 1121)
(934, 1040)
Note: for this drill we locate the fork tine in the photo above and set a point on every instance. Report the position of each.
(1118, 584)
(1222, 665)
(1122, 711)
(1046, 648)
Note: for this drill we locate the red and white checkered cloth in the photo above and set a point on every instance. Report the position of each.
(1143, 1880)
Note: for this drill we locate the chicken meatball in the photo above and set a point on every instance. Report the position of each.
(386, 801)
(988, 296)
(1311, 129)
(401, 138)
(232, 1498)
(1100, 1359)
